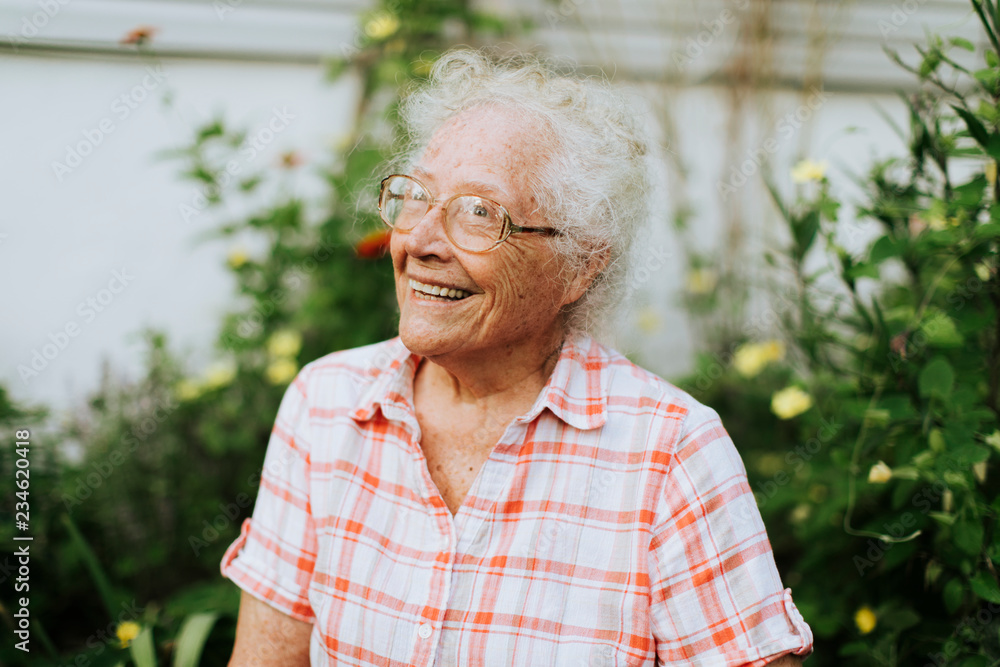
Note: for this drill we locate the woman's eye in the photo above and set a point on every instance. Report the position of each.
(480, 211)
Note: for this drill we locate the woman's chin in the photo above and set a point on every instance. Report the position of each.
(426, 340)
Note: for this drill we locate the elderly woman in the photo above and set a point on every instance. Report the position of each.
(495, 487)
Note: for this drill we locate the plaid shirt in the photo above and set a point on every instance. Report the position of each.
(612, 525)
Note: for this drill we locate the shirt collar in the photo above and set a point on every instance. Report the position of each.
(576, 392)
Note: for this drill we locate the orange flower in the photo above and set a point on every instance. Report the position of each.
(139, 35)
(374, 245)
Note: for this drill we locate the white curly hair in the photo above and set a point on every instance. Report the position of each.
(595, 186)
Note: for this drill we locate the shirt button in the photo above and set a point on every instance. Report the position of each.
(425, 630)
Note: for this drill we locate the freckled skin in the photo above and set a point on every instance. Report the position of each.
(514, 311)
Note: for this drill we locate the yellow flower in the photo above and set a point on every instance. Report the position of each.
(220, 374)
(751, 358)
(187, 390)
(800, 513)
(880, 473)
(284, 343)
(768, 464)
(938, 222)
(809, 170)
(382, 25)
(127, 631)
(790, 402)
(865, 619)
(991, 173)
(281, 371)
(237, 257)
(818, 493)
(701, 281)
(648, 320)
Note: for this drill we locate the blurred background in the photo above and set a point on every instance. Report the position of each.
(190, 217)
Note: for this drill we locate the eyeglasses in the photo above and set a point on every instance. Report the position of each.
(471, 222)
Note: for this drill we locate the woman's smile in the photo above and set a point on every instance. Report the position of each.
(424, 291)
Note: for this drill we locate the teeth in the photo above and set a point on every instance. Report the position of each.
(442, 293)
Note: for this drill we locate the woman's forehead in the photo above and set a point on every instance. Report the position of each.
(482, 151)
(460, 183)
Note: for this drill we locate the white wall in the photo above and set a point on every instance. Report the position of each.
(65, 235)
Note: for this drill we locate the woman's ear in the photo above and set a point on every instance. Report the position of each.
(596, 262)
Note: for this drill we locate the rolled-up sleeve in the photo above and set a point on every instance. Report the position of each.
(275, 555)
(716, 597)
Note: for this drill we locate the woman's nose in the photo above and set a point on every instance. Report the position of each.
(428, 237)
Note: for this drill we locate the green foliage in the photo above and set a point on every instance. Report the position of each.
(880, 488)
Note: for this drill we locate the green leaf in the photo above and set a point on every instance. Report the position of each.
(804, 230)
(862, 270)
(985, 587)
(854, 648)
(969, 454)
(142, 649)
(953, 594)
(942, 517)
(883, 249)
(976, 129)
(962, 43)
(968, 536)
(192, 637)
(900, 619)
(213, 129)
(940, 331)
(970, 195)
(990, 230)
(936, 379)
(104, 589)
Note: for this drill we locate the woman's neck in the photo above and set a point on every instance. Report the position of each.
(508, 379)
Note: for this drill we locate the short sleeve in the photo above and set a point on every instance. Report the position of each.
(274, 556)
(716, 597)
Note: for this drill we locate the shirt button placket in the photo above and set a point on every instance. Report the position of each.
(425, 630)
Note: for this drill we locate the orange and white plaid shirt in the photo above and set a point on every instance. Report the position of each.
(611, 525)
